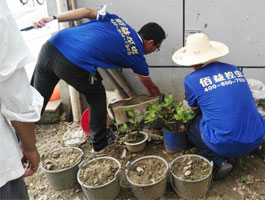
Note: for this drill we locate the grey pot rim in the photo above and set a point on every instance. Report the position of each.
(65, 169)
(142, 158)
(191, 181)
(138, 143)
(100, 186)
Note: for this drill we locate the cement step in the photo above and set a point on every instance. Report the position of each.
(53, 106)
(51, 114)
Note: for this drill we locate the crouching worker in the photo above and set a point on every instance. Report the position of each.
(227, 124)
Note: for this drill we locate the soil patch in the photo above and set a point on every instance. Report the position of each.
(99, 172)
(61, 159)
(135, 138)
(191, 168)
(147, 171)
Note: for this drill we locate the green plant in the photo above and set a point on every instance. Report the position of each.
(173, 115)
(118, 130)
(152, 113)
(128, 127)
(124, 128)
(175, 111)
(133, 119)
(243, 179)
(183, 114)
(167, 109)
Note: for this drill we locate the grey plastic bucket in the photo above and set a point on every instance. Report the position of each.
(139, 146)
(107, 191)
(65, 178)
(149, 191)
(191, 189)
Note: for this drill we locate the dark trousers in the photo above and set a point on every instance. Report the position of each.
(15, 189)
(194, 136)
(51, 67)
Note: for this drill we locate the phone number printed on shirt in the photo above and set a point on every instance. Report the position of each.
(221, 80)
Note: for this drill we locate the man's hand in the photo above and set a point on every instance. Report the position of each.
(41, 23)
(26, 134)
(154, 90)
(31, 159)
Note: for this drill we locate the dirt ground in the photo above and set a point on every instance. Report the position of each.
(245, 182)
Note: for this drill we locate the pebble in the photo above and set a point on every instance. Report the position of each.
(139, 169)
(187, 173)
(187, 167)
(190, 162)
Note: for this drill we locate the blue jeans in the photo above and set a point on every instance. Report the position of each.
(15, 189)
(194, 136)
(53, 66)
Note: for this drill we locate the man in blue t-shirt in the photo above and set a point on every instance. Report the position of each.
(228, 124)
(74, 54)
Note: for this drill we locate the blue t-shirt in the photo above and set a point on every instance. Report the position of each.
(107, 43)
(230, 125)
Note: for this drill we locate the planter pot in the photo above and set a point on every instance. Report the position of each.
(137, 146)
(65, 178)
(107, 191)
(138, 104)
(174, 141)
(148, 191)
(191, 189)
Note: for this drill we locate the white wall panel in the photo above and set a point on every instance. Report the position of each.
(237, 23)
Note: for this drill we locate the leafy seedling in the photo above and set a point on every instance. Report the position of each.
(243, 179)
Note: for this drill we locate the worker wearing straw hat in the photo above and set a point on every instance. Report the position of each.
(227, 124)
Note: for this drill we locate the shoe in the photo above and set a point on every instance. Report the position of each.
(223, 169)
(111, 138)
(101, 152)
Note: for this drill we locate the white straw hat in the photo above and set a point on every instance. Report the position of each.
(199, 50)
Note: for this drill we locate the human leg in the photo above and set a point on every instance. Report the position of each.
(97, 116)
(95, 96)
(194, 136)
(221, 166)
(44, 79)
(15, 189)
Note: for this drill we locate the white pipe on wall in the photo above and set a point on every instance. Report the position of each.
(75, 103)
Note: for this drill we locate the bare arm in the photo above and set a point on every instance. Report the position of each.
(149, 85)
(196, 110)
(26, 134)
(71, 15)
